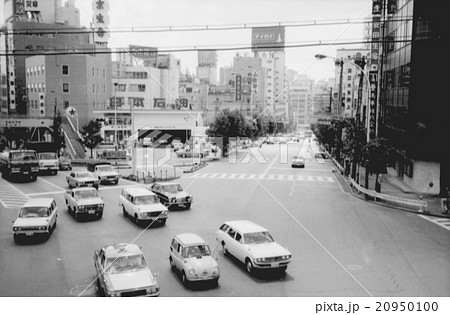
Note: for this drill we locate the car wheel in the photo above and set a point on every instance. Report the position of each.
(55, 172)
(249, 266)
(224, 249)
(100, 289)
(163, 221)
(125, 214)
(201, 155)
(188, 205)
(136, 219)
(33, 178)
(16, 238)
(172, 265)
(184, 278)
(75, 215)
(99, 215)
(116, 182)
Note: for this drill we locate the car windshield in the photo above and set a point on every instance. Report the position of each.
(145, 200)
(91, 193)
(82, 175)
(258, 238)
(172, 189)
(23, 156)
(33, 212)
(125, 263)
(105, 168)
(196, 251)
(47, 156)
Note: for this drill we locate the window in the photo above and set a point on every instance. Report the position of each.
(104, 73)
(65, 87)
(66, 104)
(93, 72)
(121, 87)
(65, 70)
(349, 77)
(349, 70)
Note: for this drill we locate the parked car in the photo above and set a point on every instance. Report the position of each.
(171, 194)
(84, 201)
(190, 255)
(252, 245)
(48, 162)
(104, 171)
(320, 155)
(188, 152)
(82, 179)
(298, 161)
(142, 206)
(64, 164)
(177, 144)
(122, 271)
(36, 217)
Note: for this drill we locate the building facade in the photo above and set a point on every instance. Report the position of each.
(414, 102)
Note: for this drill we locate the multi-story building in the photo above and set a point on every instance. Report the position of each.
(414, 100)
(300, 96)
(350, 80)
(207, 67)
(322, 97)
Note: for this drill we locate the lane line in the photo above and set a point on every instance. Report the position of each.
(50, 183)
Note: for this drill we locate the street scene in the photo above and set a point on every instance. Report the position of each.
(226, 150)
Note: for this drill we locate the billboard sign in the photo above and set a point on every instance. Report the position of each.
(32, 5)
(238, 87)
(375, 45)
(207, 58)
(268, 38)
(143, 52)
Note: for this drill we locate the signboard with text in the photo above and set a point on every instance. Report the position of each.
(373, 79)
(375, 45)
(268, 38)
(238, 87)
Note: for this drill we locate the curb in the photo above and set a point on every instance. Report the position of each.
(382, 203)
(194, 168)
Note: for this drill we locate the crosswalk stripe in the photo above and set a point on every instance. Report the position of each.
(10, 196)
(277, 177)
(443, 222)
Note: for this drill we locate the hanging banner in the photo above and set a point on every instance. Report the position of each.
(375, 45)
(238, 87)
(373, 79)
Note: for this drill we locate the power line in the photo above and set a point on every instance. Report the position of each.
(100, 51)
(190, 28)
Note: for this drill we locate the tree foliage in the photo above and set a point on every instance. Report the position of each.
(377, 155)
(91, 135)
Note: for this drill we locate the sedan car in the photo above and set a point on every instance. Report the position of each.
(65, 164)
(122, 271)
(252, 245)
(298, 161)
(171, 194)
(191, 257)
(36, 217)
(187, 152)
(82, 179)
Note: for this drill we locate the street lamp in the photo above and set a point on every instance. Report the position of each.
(321, 56)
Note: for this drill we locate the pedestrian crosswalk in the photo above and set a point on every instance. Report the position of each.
(279, 177)
(11, 197)
(443, 222)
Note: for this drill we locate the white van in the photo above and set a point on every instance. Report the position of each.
(142, 206)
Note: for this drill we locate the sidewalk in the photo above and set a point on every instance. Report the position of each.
(394, 186)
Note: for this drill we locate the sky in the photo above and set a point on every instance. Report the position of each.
(139, 14)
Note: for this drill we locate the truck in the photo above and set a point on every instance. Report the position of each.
(48, 162)
(19, 163)
(84, 201)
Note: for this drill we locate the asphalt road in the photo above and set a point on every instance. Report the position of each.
(341, 246)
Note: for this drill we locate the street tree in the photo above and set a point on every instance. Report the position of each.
(376, 156)
(354, 140)
(229, 124)
(91, 135)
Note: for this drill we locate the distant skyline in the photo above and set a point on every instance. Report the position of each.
(137, 14)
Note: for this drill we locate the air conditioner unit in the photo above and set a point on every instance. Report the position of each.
(42, 112)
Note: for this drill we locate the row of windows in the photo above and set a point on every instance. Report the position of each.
(36, 87)
(132, 88)
(96, 72)
(96, 89)
(36, 70)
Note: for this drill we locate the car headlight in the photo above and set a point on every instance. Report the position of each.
(56, 163)
(16, 229)
(142, 214)
(261, 259)
(101, 205)
(165, 212)
(80, 207)
(153, 290)
(286, 257)
(191, 271)
(103, 177)
(173, 199)
(216, 270)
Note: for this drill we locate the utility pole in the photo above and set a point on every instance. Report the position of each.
(341, 63)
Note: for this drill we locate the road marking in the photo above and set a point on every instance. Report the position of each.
(443, 222)
(49, 183)
(10, 196)
(277, 177)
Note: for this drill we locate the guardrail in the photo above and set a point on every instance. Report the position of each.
(73, 153)
(420, 205)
